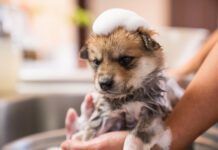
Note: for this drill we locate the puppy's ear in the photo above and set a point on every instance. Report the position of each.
(84, 52)
(149, 43)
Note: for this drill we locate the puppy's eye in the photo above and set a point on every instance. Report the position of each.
(125, 60)
(96, 62)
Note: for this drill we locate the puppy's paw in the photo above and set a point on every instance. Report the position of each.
(162, 141)
(133, 143)
(70, 122)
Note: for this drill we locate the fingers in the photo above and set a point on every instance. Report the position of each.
(72, 118)
(70, 122)
(65, 145)
(87, 106)
(88, 101)
(109, 141)
(78, 145)
(69, 145)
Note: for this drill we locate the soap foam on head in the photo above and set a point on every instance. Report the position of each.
(116, 17)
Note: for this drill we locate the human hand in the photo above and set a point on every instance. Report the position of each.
(108, 141)
(73, 122)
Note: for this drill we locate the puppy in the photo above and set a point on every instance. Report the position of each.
(132, 91)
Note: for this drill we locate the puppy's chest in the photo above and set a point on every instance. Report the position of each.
(136, 106)
(132, 112)
(124, 114)
(127, 116)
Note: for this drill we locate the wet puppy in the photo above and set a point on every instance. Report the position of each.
(131, 89)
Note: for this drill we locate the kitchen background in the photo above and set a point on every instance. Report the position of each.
(41, 75)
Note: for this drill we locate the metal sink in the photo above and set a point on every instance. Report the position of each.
(41, 141)
(32, 115)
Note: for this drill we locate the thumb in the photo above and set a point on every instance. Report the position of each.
(78, 145)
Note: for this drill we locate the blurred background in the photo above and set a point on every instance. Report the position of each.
(41, 75)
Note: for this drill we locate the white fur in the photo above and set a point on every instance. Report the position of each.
(95, 96)
(86, 111)
(156, 125)
(81, 122)
(113, 18)
(97, 86)
(134, 108)
(165, 139)
(132, 143)
(145, 66)
(177, 90)
(162, 139)
(163, 136)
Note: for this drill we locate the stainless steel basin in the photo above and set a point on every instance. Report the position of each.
(31, 115)
(40, 141)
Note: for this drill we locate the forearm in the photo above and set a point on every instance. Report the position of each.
(194, 63)
(198, 109)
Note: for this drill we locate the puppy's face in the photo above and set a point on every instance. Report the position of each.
(122, 60)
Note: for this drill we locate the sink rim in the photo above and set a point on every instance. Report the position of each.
(53, 136)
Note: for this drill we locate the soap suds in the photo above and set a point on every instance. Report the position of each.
(117, 17)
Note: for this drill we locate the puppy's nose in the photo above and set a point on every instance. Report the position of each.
(105, 83)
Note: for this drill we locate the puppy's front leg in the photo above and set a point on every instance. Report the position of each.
(141, 137)
(133, 143)
(149, 134)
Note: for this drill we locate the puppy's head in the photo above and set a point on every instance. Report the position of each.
(122, 59)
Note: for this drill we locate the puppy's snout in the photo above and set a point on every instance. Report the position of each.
(105, 83)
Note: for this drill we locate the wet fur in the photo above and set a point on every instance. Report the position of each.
(138, 99)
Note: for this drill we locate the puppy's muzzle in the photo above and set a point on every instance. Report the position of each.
(105, 82)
